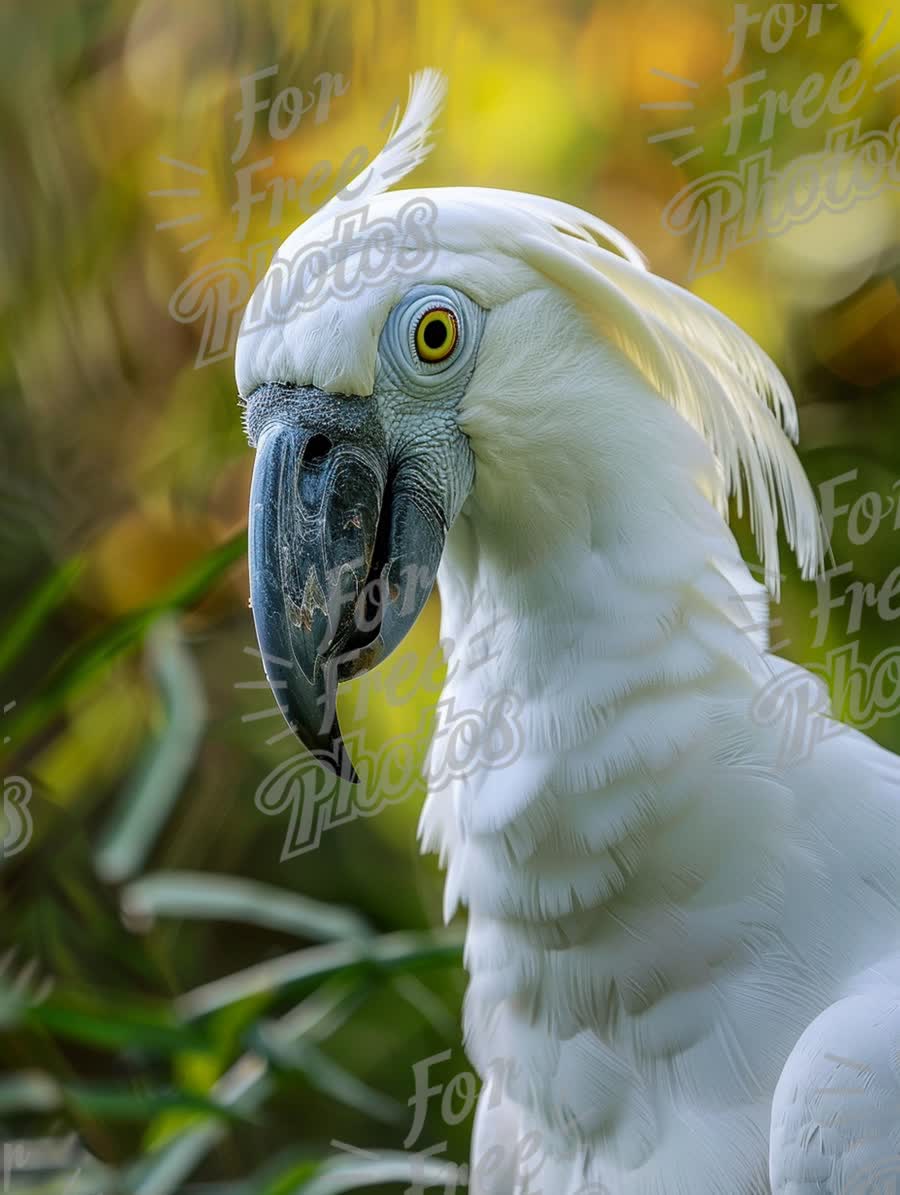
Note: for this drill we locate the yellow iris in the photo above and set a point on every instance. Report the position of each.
(436, 335)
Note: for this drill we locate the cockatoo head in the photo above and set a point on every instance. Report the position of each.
(411, 354)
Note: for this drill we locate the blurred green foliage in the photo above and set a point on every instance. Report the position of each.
(204, 1014)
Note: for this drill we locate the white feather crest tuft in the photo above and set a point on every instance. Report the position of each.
(406, 147)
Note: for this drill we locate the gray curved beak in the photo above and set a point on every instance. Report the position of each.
(343, 552)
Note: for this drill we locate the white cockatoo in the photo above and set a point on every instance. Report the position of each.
(683, 942)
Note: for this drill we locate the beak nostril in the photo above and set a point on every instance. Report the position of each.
(316, 450)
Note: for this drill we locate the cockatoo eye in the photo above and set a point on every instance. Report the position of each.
(436, 335)
(429, 342)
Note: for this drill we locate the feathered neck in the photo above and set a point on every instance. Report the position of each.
(607, 658)
(619, 830)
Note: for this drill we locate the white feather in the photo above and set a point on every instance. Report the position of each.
(407, 145)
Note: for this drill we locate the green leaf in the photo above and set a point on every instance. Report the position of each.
(125, 1102)
(163, 1171)
(387, 955)
(203, 895)
(151, 793)
(115, 1027)
(90, 657)
(23, 626)
(246, 1085)
(372, 1168)
(288, 1180)
(324, 1074)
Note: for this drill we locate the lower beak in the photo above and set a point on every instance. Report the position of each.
(343, 553)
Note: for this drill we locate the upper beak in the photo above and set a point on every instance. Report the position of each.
(343, 551)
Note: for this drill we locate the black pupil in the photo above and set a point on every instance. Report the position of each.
(435, 333)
